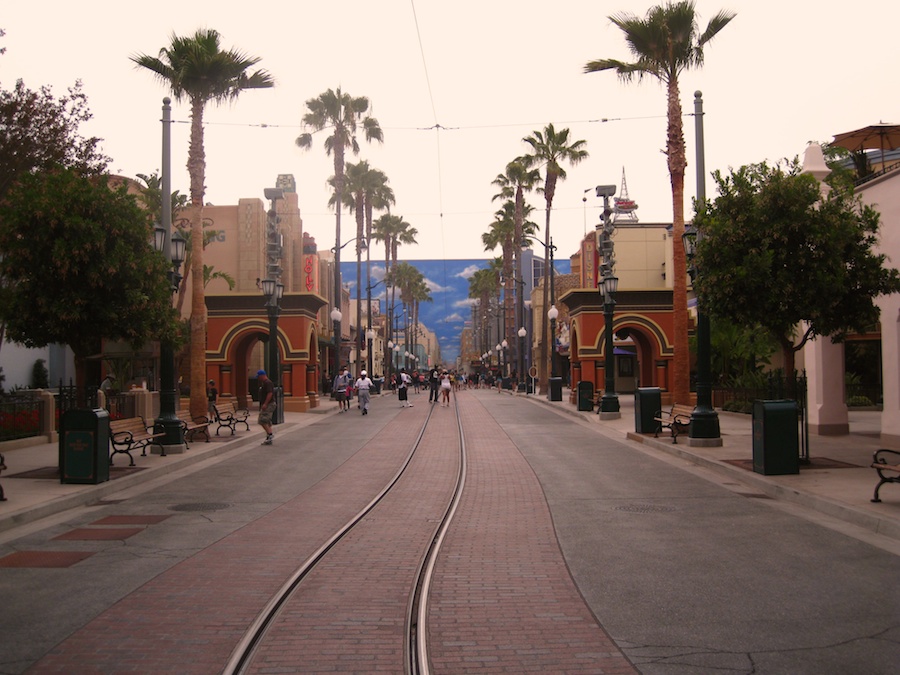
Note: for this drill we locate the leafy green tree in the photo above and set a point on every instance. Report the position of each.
(40, 376)
(664, 44)
(197, 69)
(775, 252)
(80, 266)
(551, 149)
(39, 131)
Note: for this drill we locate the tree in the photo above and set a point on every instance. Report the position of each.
(776, 253)
(665, 43)
(80, 266)
(344, 114)
(195, 68)
(484, 286)
(39, 132)
(551, 148)
(514, 182)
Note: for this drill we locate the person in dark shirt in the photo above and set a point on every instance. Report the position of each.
(266, 405)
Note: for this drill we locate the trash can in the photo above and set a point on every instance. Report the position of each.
(507, 383)
(585, 396)
(776, 441)
(647, 403)
(555, 388)
(84, 446)
(376, 385)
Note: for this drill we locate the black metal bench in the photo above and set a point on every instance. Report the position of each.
(130, 433)
(2, 469)
(677, 420)
(229, 416)
(887, 464)
(192, 426)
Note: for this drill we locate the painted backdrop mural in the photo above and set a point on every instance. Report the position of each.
(448, 281)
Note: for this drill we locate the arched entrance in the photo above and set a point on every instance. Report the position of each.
(237, 324)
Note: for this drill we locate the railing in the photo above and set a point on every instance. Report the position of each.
(21, 417)
(775, 386)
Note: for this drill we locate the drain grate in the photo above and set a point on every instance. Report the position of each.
(644, 508)
(200, 506)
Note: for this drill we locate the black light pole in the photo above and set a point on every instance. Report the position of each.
(273, 293)
(704, 420)
(609, 403)
(172, 247)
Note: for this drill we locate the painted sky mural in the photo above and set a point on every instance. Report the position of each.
(448, 281)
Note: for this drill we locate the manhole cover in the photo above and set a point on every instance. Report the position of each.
(201, 506)
(644, 508)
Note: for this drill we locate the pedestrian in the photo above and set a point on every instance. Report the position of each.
(434, 381)
(266, 405)
(212, 396)
(362, 386)
(341, 382)
(445, 388)
(402, 389)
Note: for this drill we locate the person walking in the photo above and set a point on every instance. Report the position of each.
(434, 381)
(341, 384)
(446, 385)
(266, 405)
(362, 386)
(212, 396)
(403, 389)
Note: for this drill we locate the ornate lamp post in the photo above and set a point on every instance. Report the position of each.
(273, 293)
(336, 317)
(523, 386)
(173, 250)
(704, 429)
(609, 403)
(370, 337)
(168, 421)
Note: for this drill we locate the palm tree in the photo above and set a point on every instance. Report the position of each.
(365, 189)
(484, 286)
(392, 231)
(344, 114)
(549, 148)
(195, 68)
(514, 182)
(665, 43)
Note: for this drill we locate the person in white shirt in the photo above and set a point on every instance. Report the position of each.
(362, 386)
(402, 389)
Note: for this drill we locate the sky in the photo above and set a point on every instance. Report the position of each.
(456, 87)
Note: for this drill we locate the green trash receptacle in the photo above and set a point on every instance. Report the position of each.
(647, 403)
(776, 439)
(555, 393)
(585, 396)
(84, 446)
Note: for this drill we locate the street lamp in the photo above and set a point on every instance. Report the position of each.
(704, 419)
(370, 337)
(555, 388)
(172, 249)
(505, 346)
(336, 318)
(555, 392)
(609, 403)
(274, 292)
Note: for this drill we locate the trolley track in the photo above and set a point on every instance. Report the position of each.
(427, 487)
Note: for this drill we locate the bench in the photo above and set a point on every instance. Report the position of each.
(228, 416)
(130, 434)
(2, 469)
(676, 420)
(194, 426)
(887, 464)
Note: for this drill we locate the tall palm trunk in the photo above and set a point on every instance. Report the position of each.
(197, 173)
(339, 201)
(677, 163)
(519, 286)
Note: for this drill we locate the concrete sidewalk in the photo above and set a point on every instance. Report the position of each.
(838, 482)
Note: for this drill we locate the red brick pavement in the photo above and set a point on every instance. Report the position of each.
(189, 619)
(502, 599)
(349, 615)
